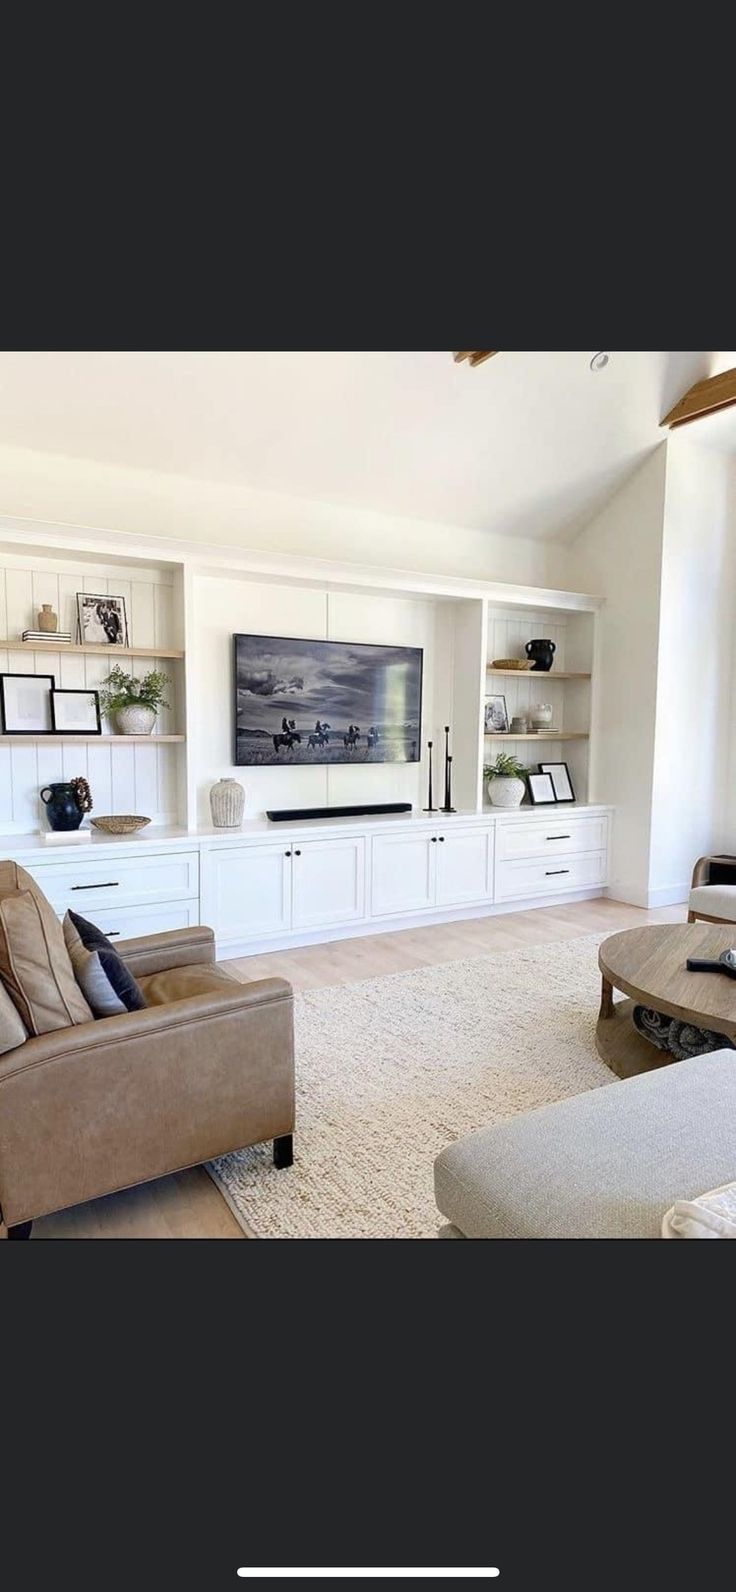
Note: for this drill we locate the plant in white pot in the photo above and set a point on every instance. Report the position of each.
(133, 703)
(506, 781)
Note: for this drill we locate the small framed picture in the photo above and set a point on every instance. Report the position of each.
(75, 712)
(497, 719)
(103, 621)
(541, 790)
(25, 704)
(559, 774)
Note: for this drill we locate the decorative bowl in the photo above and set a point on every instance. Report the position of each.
(120, 824)
(512, 663)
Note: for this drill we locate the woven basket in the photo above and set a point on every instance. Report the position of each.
(511, 663)
(120, 824)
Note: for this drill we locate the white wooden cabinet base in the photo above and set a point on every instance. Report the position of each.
(270, 886)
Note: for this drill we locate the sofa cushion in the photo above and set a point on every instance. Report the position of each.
(35, 966)
(106, 983)
(606, 1164)
(715, 900)
(179, 983)
(12, 1031)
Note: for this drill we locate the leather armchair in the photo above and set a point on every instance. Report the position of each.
(208, 1067)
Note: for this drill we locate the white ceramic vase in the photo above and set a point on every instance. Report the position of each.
(506, 792)
(135, 719)
(541, 716)
(227, 804)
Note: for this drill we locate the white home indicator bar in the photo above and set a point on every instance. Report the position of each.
(447, 1575)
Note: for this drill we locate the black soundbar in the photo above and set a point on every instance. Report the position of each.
(285, 814)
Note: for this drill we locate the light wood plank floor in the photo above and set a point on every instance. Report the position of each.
(188, 1205)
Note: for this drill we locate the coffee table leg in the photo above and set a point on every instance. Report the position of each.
(606, 999)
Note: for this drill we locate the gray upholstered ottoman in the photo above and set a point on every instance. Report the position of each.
(606, 1164)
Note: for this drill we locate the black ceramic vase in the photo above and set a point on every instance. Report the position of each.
(541, 653)
(62, 806)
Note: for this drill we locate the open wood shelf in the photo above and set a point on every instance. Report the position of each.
(532, 674)
(539, 735)
(97, 740)
(91, 651)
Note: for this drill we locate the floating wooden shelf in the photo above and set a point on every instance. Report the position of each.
(540, 735)
(97, 740)
(95, 651)
(539, 675)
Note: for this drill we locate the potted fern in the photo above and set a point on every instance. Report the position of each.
(506, 781)
(133, 703)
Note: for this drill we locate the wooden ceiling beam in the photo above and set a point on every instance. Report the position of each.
(476, 356)
(717, 392)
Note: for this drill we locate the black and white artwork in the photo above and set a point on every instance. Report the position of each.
(496, 718)
(559, 774)
(541, 790)
(103, 621)
(326, 702)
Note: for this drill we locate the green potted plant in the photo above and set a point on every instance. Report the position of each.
(506, 781)
(132, 703)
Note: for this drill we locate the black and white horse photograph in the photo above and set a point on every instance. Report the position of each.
(325, 702)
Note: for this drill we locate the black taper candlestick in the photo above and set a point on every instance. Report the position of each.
(430, 808)
(448, 807)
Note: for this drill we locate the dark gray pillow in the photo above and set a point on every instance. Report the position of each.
(106, 983)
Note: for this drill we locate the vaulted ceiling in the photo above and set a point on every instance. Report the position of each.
(524, 444)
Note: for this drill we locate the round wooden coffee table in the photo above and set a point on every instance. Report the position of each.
(648, 965)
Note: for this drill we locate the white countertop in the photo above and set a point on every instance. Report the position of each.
(35, 846)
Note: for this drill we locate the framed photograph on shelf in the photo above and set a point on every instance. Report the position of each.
(496, 716)
(75, 712)
(541, 790)
(559, 774)
(25, 704)
(103, 621)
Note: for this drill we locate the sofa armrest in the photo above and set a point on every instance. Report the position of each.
(157, 953)
(88, 1110)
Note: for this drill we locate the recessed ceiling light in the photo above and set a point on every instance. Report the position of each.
(599, 361)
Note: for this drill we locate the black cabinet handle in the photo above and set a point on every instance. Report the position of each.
(107, 884)
(113, 934)
(442, 840)
(297, 854)
(287, 853)
(552, 871)
(559, 837)
(434, 840)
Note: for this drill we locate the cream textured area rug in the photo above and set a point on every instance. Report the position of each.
(390, 1070)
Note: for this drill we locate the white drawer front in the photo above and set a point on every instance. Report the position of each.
(549, 876)
(87, 884)
(551, 836)
(133, 921)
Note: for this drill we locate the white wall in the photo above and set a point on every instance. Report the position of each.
(222, 607)
(693, 806)
(77, 492)
(619, 555)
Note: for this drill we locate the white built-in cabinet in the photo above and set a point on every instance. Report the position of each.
(254, 892)
(444, 867)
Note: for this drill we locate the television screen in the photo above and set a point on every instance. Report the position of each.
(326, 702)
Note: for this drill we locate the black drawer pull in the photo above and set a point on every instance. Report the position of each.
(106, 884)
(442, 840)
(287, 853)
(297, 854)
(552, 871)
(559, 837)
(113, 934)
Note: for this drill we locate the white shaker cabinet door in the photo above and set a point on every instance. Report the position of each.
(247, 891)
(403, 869)
(328, 882)
(464, 866)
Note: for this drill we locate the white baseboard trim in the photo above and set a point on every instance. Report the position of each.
(230, 950)
(674, 895)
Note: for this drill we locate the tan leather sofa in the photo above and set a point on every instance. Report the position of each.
(208, 1067)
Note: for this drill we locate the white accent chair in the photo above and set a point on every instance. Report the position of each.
(712, 897)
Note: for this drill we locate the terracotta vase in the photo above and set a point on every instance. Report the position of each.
(48, 621)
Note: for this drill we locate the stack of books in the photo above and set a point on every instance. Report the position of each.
(57, 638)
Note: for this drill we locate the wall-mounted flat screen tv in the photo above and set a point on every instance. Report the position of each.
(325, 702)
